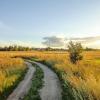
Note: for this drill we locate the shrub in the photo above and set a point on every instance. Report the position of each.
(75, 49)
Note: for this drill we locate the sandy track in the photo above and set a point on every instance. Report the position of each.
(24, 85)
(51, 89)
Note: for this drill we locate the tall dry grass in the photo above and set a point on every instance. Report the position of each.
(11, 70)
(83, 78)
(81, 81)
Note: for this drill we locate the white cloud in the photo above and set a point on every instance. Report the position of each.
(54, 41)
(95, 44)
(92, 42)
(22, 43)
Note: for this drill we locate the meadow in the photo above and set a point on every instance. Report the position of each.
(11, 72)
(79, 81)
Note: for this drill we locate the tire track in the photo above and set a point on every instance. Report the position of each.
(52, 89)
(24, 85)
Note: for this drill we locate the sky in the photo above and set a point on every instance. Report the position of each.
(27, 22)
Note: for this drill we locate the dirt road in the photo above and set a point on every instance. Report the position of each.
(24, 85)
(51, 89)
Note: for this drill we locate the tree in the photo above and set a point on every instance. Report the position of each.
(75, 50)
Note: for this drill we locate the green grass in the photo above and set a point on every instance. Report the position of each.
(37, 83)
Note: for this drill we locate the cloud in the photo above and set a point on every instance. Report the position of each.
(53, 41)
(57, 42)
(86, 39)
(92, 42)
(21, 43)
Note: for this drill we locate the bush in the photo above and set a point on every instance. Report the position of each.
(75, 49)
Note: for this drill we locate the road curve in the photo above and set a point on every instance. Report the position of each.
(24, 85)
(51, 89)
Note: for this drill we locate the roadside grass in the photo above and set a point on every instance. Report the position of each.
(37, 83)
(68, 91)
(65, 87)
(20, 75)
(12, 71)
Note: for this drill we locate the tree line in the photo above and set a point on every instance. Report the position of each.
(22, 48)
(15, 48)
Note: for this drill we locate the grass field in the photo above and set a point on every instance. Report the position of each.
(11, 72)
(79, 82)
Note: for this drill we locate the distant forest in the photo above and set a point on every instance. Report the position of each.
(22, 48)
(15, 48)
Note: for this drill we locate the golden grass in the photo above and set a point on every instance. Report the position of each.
(10, 69)
(84, 77)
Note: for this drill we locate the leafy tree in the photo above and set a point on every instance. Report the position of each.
(75, 50)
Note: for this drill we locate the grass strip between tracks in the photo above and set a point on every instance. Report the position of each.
(37, 83)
